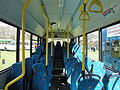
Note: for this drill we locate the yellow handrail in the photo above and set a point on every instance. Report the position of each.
(47, 27)
(23, 49)
(98, 3)
(84, 19)
(68, 52)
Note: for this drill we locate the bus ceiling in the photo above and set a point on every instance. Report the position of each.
(60, 13)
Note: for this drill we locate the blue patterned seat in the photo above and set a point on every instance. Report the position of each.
(71, 62)
(117, 66)
(113, 82)
(40, 78)
(36, 58)
(15, 72)
(76, 73)
(90, 84)
(50, 66)
(28, 75)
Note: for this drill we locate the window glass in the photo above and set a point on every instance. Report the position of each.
(7, 45)
(107, 46)
(81, 42)
(116, 48)
(93, 45)
(111, 46)
(34, 43)
(27, 45)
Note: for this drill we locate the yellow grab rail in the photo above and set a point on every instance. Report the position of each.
(84, 19)
(23, 49)
(47, 27)
(84, 43)
(98, 3)
(68, 52)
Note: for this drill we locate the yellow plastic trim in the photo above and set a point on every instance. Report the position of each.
(47, 27)
(84, 43)
(98, 3)
(85, 15)
(23, 49)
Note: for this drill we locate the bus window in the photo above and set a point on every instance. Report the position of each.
(27, 45)
(7, 45)
(34, 43)
(93, 45)
(116, 49)
(108, 47)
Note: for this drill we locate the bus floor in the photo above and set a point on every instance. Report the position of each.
(59, 81)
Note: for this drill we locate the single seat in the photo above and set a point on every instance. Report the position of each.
(15, 72)
(116, 66)
(36, 58)
(71, 62)
(76, 73)
(90, 84)
(29, 72)
(98, 69)
(50, 66)
(113, 82)
(40, 78)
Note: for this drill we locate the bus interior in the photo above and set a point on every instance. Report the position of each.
(59, 44)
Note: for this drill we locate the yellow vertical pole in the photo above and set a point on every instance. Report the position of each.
(84, 43)
(23, 49)
(51, 45)
(68, 44)
(85, 14)
(47, 27)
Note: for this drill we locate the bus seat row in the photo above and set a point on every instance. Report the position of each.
(96, 76)
(37, 77)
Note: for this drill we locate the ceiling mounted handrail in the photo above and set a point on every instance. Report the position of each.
(98, 3)
(70, 24)
(83, 14)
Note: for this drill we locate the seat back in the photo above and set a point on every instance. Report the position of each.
(71, 62)
(36, 58)
(15, 72)
(40, 79)
(28, 75)
(114, 83)
(76, 73)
